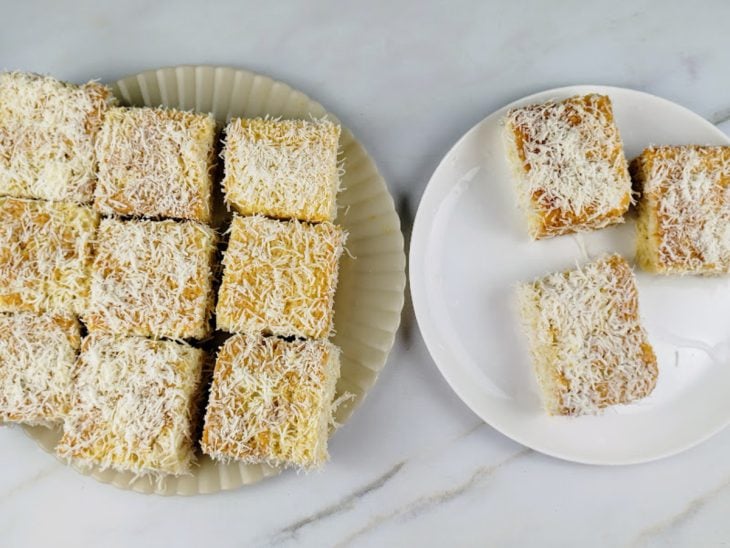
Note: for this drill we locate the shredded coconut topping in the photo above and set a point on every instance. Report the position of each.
(45, 254)
(134, 405)
(271, 401)
(279, 277)
(684, 212)
(282, 168)
(129, 401)
(156, 162)
(152, 278)
(588, 346)
(47, 131)
(569, 163)
(37, 354)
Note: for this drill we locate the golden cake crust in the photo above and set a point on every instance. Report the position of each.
(152, 278)
(155, 163)
(271, 401)
(279, 277)
(684, 211)
(47, 133)
(37, 355)
(133, 405)
(286, 169)
(569, 165)
(45, 255)
(588, 347)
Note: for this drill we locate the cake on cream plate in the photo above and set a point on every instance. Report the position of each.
(134, 253)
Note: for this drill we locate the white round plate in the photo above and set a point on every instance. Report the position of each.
(470, 247)
(371, 284)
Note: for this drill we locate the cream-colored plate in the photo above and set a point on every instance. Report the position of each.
(372, 280)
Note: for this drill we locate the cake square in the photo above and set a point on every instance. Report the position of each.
(271, 401)
(47, 132)
(155, 162)
(279, 277)
(37, 355)
(588, 346)
(684, 211)
(134, 405)
(45, 255)
(152, 278)
(286, 169)
(569, 165)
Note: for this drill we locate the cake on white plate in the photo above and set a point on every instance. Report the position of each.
(588, 346)
(684, 209)
(568, 161)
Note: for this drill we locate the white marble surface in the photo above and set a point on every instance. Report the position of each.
(414, 465)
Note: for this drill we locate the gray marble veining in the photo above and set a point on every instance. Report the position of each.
(414, 466)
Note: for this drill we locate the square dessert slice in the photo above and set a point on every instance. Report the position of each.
(271, 401)
(285, 169)
(279, 277)
(152, 278)
(37, 355)
(588, 347)
(569, 165)
(47, 132)
(45, 255)
(134, 405)
(155, 163)
(684, 210)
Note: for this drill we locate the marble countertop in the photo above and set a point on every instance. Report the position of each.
(414, 466)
